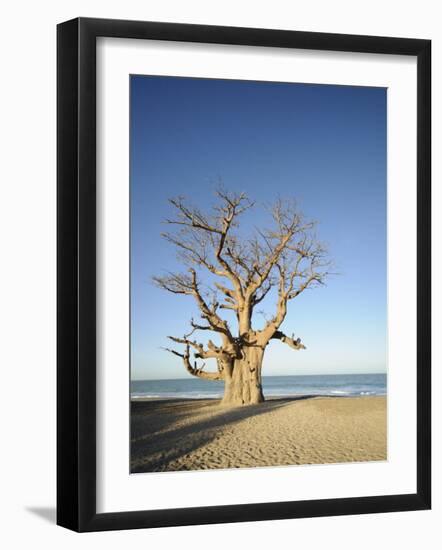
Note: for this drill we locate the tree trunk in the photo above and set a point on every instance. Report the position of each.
(243, 386)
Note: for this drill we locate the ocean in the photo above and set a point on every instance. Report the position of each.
(273, 386)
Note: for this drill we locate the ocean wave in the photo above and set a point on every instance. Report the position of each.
(274, 393)
(273, 386)
(183, 395)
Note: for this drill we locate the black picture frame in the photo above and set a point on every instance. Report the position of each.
(76, 274)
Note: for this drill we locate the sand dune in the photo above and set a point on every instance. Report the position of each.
(199, 434)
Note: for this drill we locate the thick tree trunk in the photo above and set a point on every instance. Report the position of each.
(243, 386)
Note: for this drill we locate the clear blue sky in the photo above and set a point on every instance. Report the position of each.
(324, 146)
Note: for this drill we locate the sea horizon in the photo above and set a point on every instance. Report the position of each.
(368, 384)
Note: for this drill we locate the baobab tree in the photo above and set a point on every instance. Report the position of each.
(238, 273)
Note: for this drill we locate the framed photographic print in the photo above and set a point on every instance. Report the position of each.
(243, 274)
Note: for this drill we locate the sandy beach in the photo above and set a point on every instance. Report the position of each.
(169, 435)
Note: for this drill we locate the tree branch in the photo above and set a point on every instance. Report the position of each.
(194, 223)
(195, 371)
(295, 344)
(286, 257)
(201, 353)
(188, 284)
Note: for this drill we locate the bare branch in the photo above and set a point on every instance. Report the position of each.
(195, 371)
(201, 353)
(295, 344)
(285, 256)
(264, 291)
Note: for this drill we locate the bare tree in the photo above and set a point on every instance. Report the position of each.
(241, 272)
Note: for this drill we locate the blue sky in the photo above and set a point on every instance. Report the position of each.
(325, 146)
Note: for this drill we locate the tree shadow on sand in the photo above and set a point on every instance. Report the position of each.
(165, 431)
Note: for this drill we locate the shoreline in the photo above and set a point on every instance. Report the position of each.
(172, 434)
(287, 397)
